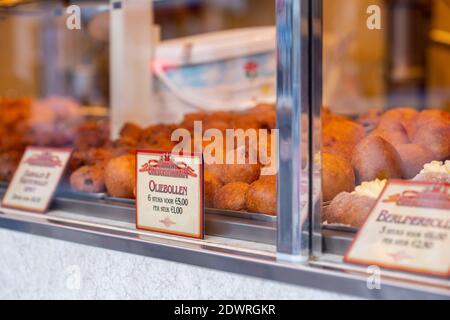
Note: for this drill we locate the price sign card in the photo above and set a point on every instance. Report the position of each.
(36, 179)
(169, 193)
(408, 230)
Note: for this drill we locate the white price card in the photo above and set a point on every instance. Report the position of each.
(169, 193)
(36, 179)
(407, 230)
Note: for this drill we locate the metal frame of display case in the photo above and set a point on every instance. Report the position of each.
(299, 97)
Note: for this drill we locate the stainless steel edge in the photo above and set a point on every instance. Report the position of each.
(292, 102)
(315, 152)
(199, 253)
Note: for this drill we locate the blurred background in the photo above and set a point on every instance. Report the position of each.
(403, 63)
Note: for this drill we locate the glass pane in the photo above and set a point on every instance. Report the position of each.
(386, 101)
(109, 80)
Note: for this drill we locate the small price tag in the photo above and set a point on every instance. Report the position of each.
(36, 179)
(407, 230)
(169, 193)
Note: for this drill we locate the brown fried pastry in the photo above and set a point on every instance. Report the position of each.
(120, 176)
(131, 131)
(370, 119)
(240, 173)
(337, 176)
(436, 137)
(414, 157)
(348, 209)
(344, 131)
(393, 136)
(89, 179)
(262, 196)
(212, 186)
(375, 158)
(264, 115)
(427, 117)
(341, 149)
(232, 196)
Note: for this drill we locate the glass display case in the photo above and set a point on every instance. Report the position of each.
(302, 109)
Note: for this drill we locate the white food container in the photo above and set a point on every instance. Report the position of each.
(228, 70)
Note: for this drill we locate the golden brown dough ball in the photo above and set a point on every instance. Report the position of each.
(131, 131)
(393, 136)
(265, 116)
(120, 176)
(371, 118)
(349, 209)
(235, 172)
(232, 196)
(212, 186)
(262, 196)
(401, 115)
(425, 118)
(337, 176)
(341, 149)
(436, 137)
(240, 173)
(375, 158)
(90, 179)
(345, 131)
(414, 157)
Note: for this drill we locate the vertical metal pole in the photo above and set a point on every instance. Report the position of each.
(293, 112)
(316, 127)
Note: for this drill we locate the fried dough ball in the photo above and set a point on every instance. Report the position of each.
(262, 196)
(120, 176)
(402, 115)
(235, 172)
(414, 157)
(436, 137)
(245, 122)
(345, 131)
(246, 172)
(393, 136)
(349, 209)
(265, 116)
(232, 196)
(426, 117)
(131, 131)
(212, 186)
(341, 149)
(239, 173)
(89, 179)
(375, 158)
(99, 156)
(371, 118)
(337, 176)
(157, 134)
